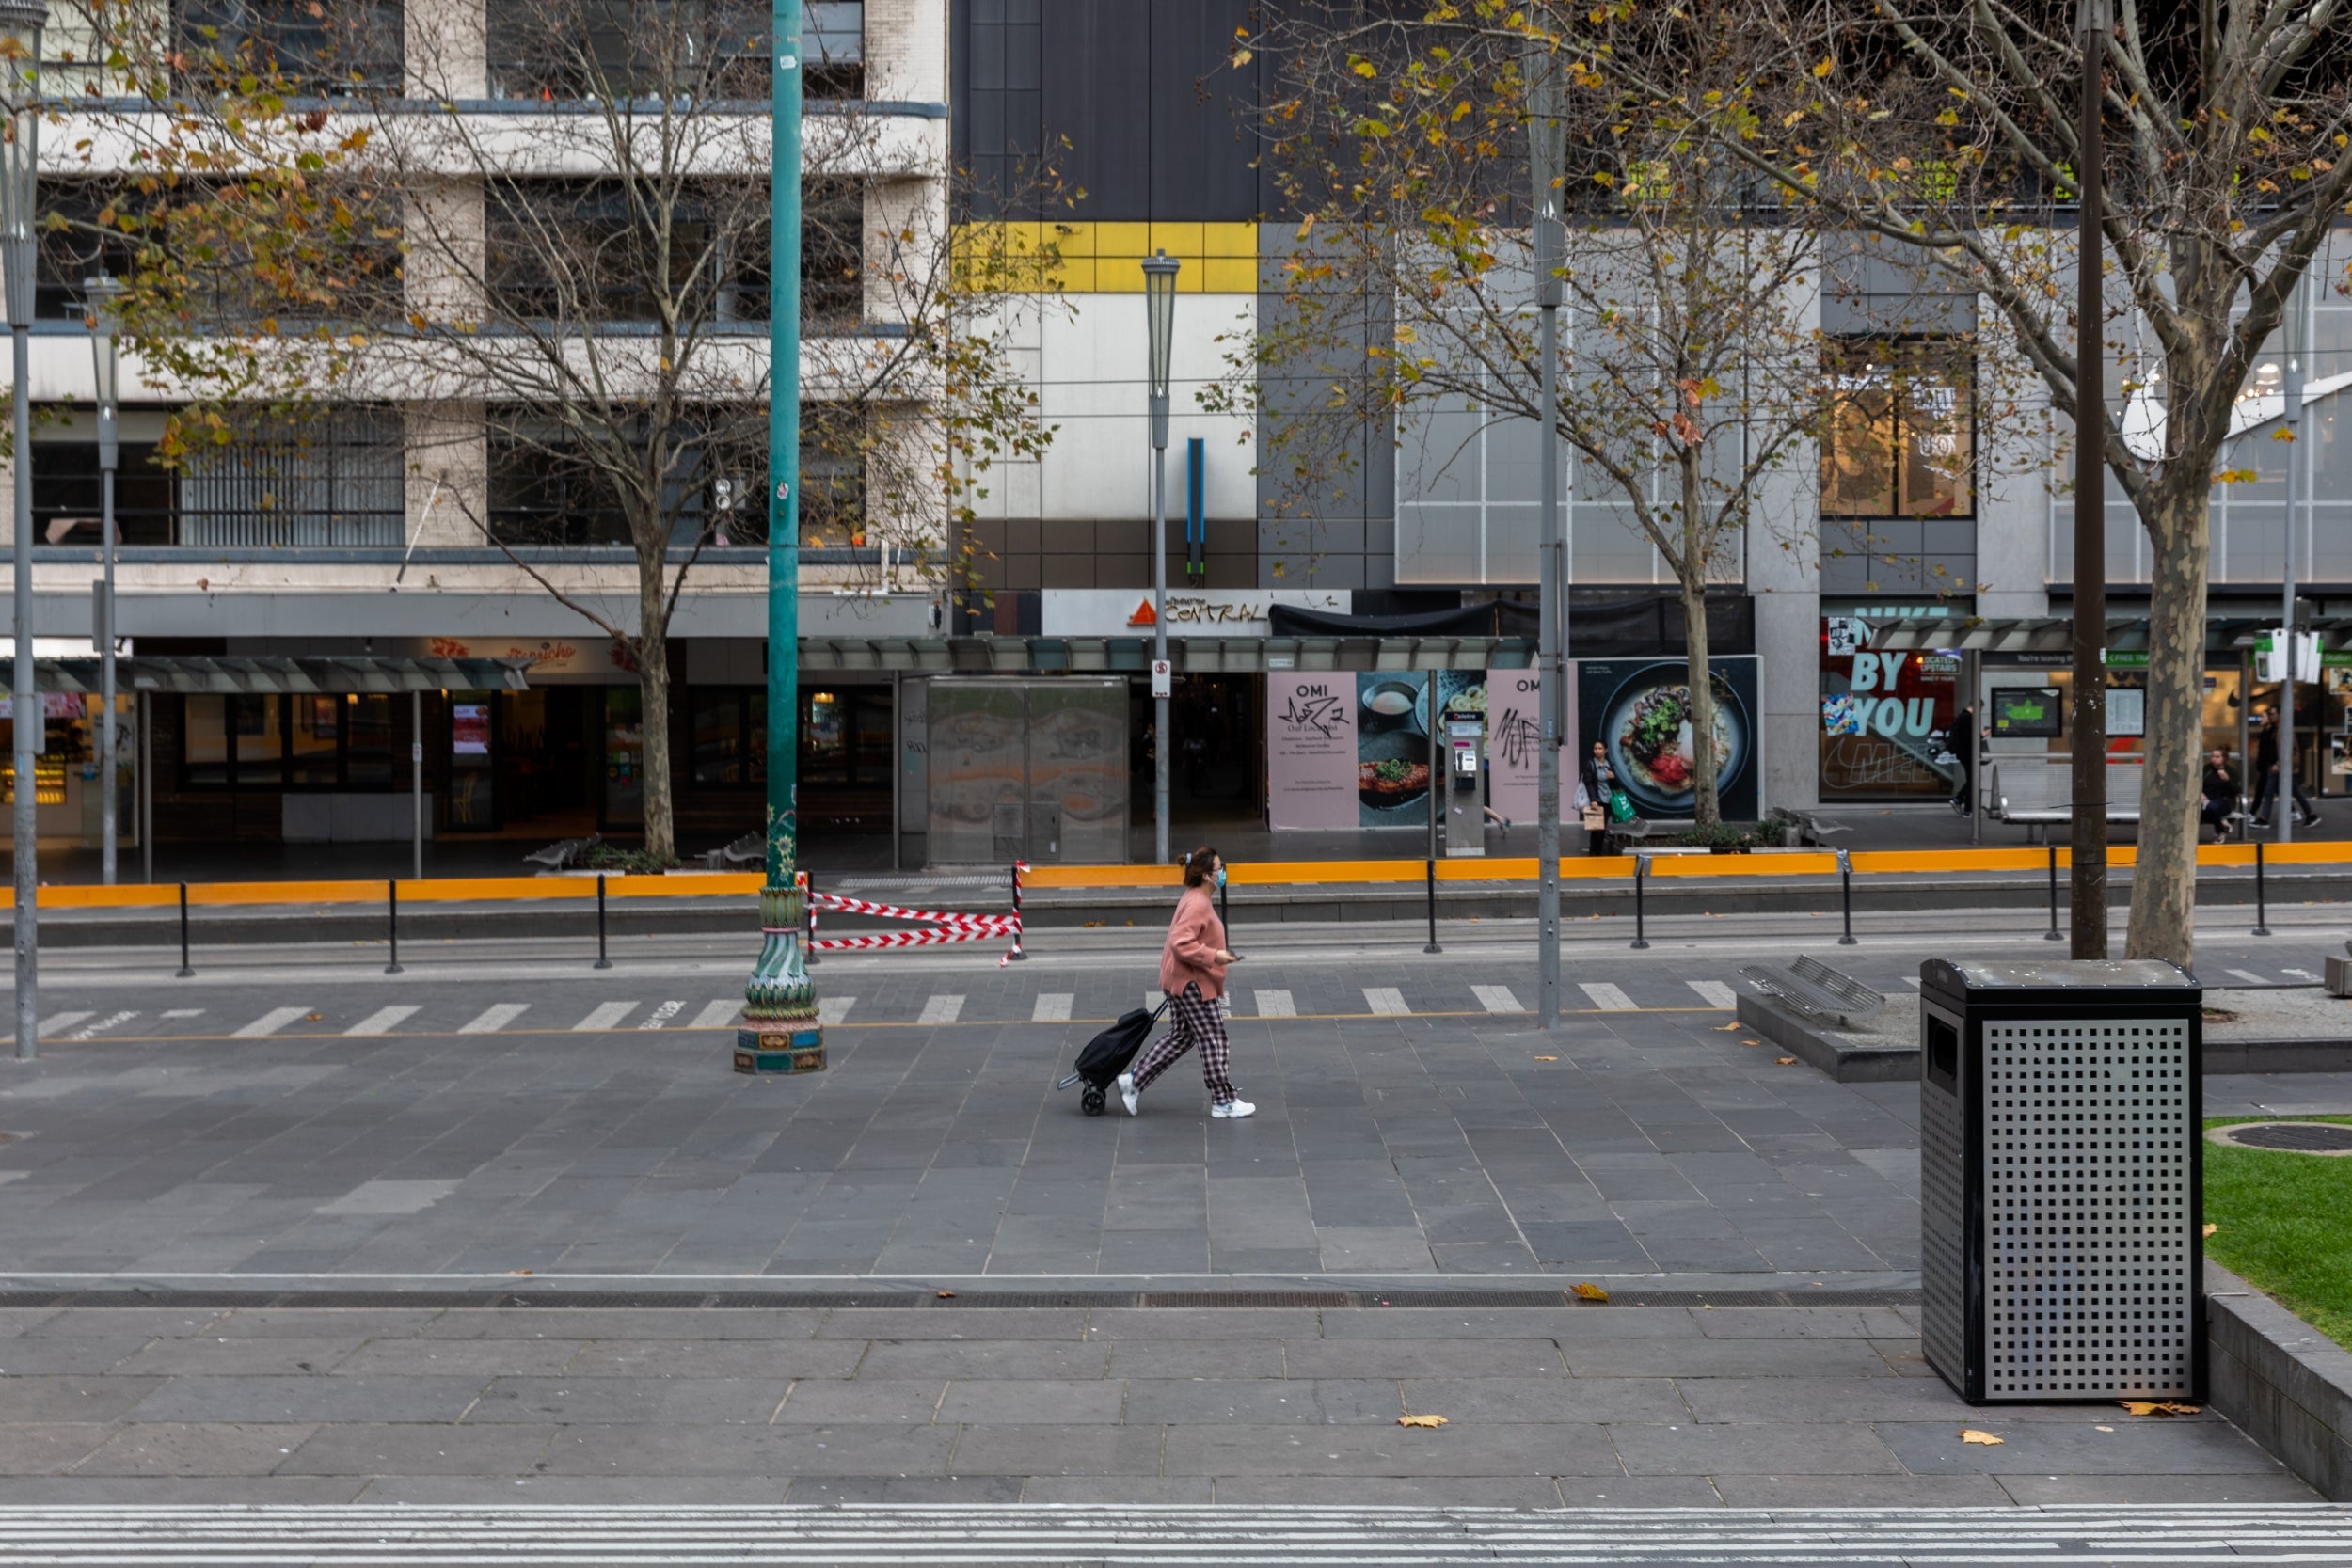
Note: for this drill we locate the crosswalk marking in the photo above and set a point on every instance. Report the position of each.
(2247, 975)
(717, 1014)
(268, 1024)
(183, 1012)
(491, 1020)
(662, 1015)
(1497, 999)
(1274, 1004)
(1053, 1007)
(606, 1015)
(832, 1009)
(1715, 993)
(112, 1020)
(1608, 998)
(380, 1022)
(942, 1009)
(55, 1021)
(2301, 973)
(1386, 1001)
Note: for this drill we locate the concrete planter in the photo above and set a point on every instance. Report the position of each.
(2284, 1384)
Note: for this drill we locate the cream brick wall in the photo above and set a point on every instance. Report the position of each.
(906, 50)
(447, 48)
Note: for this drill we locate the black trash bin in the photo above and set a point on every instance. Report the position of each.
(2060, 1246)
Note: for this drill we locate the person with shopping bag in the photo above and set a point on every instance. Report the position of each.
(1193, 961)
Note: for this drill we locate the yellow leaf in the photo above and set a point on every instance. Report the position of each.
(1970, 1434)
(2158, 1407)
(1363, 68)
(1421, 1420)
(1786, 1061)
(1719, 1028)
(1585, 1290)
(1824, 68)
(2211, 1228)
(1751, 1042)
(1547, 1058)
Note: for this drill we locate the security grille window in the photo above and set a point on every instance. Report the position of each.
(710, 49)
(333, 479)
(347, 46)
(1901, 430)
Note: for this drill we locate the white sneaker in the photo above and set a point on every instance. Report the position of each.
(1232, 1110)
(1125, 1083)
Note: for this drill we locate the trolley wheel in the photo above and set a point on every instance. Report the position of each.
(1091, 1102)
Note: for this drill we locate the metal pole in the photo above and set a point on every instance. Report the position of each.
(1845, 883)
(391, 905)
(809, 929)
(2054, 934)
(602, 961)
(1159, 637)
(1545, 160)
(898, 774)
(780, 1032)
(416, 786)
(1972, 664)
(25, 701)
(2293, 387)
(1429, 868)
(2089, 739)
(147, 787)
(1430, 864)
(187, 970)
(2261, 895)
(107, 673)
(1641, 875)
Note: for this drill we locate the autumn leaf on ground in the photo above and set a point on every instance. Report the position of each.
(2159, 1407)
(945, 1295)
(1586, 1291)
(1547, 1058)
(2211, 1228)
(1726, 1029)
(1421, 1420)
(1786, 1061)
(1970, 1434)
(1751, 1042)
(518, 1271)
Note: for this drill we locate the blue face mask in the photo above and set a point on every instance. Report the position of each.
(1220, 875)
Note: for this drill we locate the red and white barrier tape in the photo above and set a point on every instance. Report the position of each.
(946, 926)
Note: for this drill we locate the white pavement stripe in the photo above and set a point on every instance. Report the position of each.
(1053, 1007)
(491, 1020)
(1497, 999)
(721, 1014)
(942, 1009)
(662, 1015)
(269, 1022)
(55, 1021)
(1715, 993)
(2247, 975)
(1608, 998)
(606, 1015)
(832, 1009)
(1912, 980)
(1274, 1004)
(1386, 1001)
(380, 1022)
(112, 1020)
(183, 1012)
(2301, 973)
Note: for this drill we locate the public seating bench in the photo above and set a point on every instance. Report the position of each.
(1812, 828)
(748, 850)
(2035, 795)
(564, 853)
(1820, 993)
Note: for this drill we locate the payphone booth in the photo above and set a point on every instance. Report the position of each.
(1464, 783)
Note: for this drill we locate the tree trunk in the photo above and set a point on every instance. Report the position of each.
(1706, 806)
(653, 683)
(2164, 882)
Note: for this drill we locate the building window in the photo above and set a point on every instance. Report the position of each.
(333, 479)
(1901, 430)
(707, 49)
(309, 742)
(312, 49)
(544, 491)
(69, 493)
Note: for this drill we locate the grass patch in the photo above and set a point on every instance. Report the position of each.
(2285, 1225)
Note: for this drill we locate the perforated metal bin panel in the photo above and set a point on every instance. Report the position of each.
(2087, 1230)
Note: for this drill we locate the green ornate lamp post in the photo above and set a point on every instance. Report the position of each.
(779, 1032)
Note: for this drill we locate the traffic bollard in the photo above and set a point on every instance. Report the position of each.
(184, 970)
(2261, 899)
(2054, 934)
(1844, 893)
(1641, 875)
(808, 920)
(1431, 865)
(602, 962)
(392, 889)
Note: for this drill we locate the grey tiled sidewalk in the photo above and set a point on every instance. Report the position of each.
(1586, 1407)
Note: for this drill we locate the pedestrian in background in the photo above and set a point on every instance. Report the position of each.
(1193, 962)
(2266, 776)
(2217, 795)
(1598, 782)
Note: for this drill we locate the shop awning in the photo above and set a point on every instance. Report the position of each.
(327, 675)
(1057, 656)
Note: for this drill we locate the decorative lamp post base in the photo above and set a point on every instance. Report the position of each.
(779, 1032)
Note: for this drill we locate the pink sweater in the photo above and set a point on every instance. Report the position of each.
(1195, 938)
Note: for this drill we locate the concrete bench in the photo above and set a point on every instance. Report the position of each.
(1812, 828)
(564, 852)
(1818, 992)
(2036, 795)
(748, 850)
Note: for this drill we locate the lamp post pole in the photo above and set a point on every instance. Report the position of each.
(779, 1032)
(21, 22)
(1159, 296)
(2292, 385)
(2089, 842)
(106, 362)
(1546, 158)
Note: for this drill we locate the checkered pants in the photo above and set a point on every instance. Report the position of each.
(1192, 1020)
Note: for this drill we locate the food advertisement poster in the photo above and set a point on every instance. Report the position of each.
(1640, 710)
(1391, 751)
(1311, 750)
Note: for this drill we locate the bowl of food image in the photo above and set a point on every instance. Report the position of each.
(1646, 726)
(1389, 706)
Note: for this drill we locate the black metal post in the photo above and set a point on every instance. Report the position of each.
(2054, 934)
(1431, 867)
(184, 970)
(1641, 875)
(2261, 901)
(1845, 880)
(602, 962)
(392, 889)
(808, 919)
(1017, 955)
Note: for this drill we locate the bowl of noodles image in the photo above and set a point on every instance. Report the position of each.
(1646, 726)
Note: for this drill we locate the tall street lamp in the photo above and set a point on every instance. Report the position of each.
(104, 295)
(21, 22)
(1547, 159)
(2292, 385)
(779, 1032)
(1159, 298)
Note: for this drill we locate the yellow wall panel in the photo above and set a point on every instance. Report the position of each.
(1122, 239)
(1222, 275)
(1229, 239)
(1180, 240)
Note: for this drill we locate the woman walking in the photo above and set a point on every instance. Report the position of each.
(1192, 973)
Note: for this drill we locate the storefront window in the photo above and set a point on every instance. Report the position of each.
(1884, 719)
(368, 740)
(204, 740)
(844, 737)
(718, 739)
(1902, 432)
(260, 755)
(313, 742)
(311, 762)
(623, 757)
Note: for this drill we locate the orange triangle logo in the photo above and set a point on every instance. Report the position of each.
(1143, 615)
